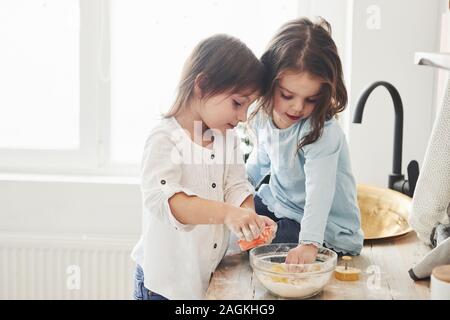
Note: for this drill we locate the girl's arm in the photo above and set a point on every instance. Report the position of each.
(243, 221)
(196, 210)
(248, 203)
(321, 162)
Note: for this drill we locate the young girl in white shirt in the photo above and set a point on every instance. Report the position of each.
(194, 184)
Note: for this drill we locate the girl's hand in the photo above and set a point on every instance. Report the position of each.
(302, 254)
(245, 223)
(273, 225)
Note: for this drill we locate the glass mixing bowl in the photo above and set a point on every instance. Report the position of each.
(291, 280)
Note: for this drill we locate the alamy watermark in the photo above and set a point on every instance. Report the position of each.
(73, 280)
(224, 145)
(373, 21)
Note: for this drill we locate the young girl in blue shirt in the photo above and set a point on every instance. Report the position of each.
(312, 192)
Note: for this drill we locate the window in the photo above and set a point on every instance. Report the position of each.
(50, 93)
(83, 82)
(39, 79)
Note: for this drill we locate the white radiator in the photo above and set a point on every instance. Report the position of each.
(65, 267)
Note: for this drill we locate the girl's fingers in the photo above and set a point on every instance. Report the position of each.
(272, 224)
(274, 229)
(256, 231)
(247, 233)
(237, 232)
(288, 258)
(291, 263)
(261, 223)
(293, 257)
(297, 268)
(268, 221)
(291, 267)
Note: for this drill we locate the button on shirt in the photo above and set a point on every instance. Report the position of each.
(178, 259)
(313, 186)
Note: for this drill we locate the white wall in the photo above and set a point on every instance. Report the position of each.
(339, 14)
(387, 54)
(442, 75)
(67, 206)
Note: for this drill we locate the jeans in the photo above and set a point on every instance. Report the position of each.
(140, 291)
(288, 230)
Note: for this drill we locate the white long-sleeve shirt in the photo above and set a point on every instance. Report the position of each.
(178, 259)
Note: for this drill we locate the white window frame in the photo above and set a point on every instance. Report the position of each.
(24, 160)
(94, 125)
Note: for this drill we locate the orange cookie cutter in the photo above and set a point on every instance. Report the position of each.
(262, 239)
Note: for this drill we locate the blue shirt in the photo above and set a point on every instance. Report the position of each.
(313, 186)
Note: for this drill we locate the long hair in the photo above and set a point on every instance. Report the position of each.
(225, 64)
(305, 46)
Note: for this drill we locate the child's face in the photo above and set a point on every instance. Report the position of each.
(295, 97)
(224, 111)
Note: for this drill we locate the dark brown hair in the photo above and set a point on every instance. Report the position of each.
(305, 46)
(225, 65)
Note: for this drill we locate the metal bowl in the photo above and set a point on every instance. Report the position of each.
(288, 280)
(384, 212)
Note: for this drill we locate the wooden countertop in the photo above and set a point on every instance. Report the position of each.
(384, 265)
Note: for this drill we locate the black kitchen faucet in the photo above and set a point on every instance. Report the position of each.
(396, 179)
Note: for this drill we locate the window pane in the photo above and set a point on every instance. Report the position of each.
(151, 40)
(39, 78)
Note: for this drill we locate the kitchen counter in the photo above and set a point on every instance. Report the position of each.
(384, 275)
